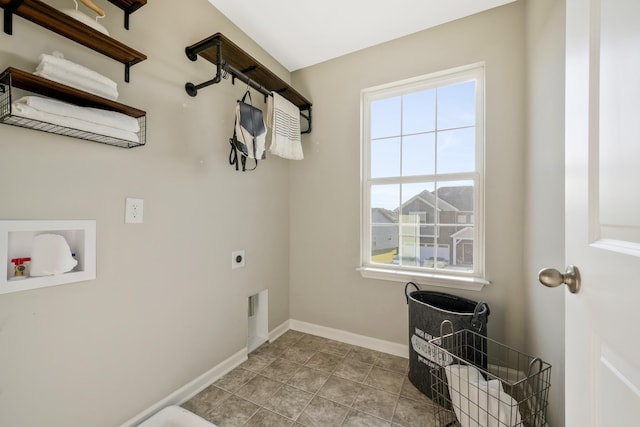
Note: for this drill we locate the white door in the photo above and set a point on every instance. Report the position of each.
(603, 212)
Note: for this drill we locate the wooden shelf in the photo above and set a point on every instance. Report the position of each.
(14, 78)
(60, 23)
(36, 84)
(227, 56)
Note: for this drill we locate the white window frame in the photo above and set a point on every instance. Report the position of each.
(473, 280)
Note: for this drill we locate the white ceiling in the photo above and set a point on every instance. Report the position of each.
(300, 33)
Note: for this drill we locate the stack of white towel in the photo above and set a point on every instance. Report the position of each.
(55, 67)
(102, 122)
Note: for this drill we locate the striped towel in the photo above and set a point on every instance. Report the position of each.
(283, 118)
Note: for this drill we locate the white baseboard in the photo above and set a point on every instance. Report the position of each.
(194, 387)
(279, 330)
(189, 390)
(351, 338)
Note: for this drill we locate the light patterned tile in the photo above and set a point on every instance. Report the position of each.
(376, 402)
(208, 399)
(259, 389)
(364, 355)
(412, 413)
(385, 380)
(268, 351)
(308, 379)
(324, 362)
(289, 402)
(353, 370)
(281, 370)
(234, 379)
(255, 363)
(322, 413)
(393, 363)
(359, 419)
(291, 337)
(340, 390)
(235, 412)
(411, 392)
(266, 418)
(336, 348)
(298, 354)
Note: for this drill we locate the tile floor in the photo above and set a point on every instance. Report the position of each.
(305, 380)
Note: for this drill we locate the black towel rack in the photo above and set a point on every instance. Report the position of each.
(231, 60)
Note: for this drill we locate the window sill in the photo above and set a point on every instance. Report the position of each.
(430, 279)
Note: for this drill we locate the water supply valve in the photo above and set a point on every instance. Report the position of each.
(19, 267)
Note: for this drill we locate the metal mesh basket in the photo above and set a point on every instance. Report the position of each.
(513, 389)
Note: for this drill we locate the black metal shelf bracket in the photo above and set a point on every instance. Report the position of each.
(223, 68)
(192, 54)
(8, 15)
(128, 11)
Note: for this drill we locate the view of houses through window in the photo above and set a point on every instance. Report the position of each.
(430, 229)
(422, 173)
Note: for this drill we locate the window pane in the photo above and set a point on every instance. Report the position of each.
(385, 197)
(384, 243)
(457, 105)
(456, 151)
(409, 247)
(385, 117)
(422, 175)
(419, 112)
(462, 249)
(435, 258)
(459, 195)
(384, 223)
(418, 155)
(418, 199)
(455, 199)
(385, 157)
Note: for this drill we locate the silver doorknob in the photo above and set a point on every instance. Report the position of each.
(551, 277)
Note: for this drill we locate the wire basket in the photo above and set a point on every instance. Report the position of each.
(487, 385)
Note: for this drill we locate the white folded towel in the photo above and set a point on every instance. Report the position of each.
(480, 403)
(21, 109)
(283, 118)
(55, 67)
(94, 115)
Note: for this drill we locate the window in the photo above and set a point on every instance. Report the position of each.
(422, 179)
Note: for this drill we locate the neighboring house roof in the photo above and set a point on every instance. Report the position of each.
(464, 234)
(450, 199)
(390, 216)
(429, 198)
(460, 197)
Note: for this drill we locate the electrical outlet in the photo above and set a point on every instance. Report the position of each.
(237, 259)
(133, 211)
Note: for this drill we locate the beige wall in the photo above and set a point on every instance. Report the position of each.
(326, 289)
(166, 306)
(544, 235)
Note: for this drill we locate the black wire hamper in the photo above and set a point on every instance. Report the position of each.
(427, 311)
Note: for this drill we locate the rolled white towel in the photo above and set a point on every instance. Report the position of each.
(28, 112)
(89, 114)
(480, 403)
(75, 75)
